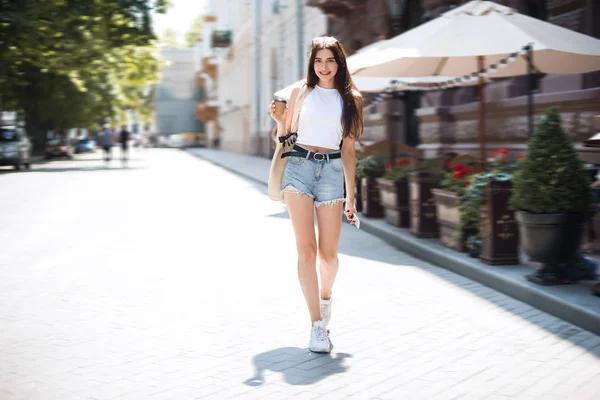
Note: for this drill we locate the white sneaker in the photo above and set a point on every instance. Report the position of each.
(319, 338)
(326, 310)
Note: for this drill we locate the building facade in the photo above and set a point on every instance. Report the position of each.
(176, 94)
(447, 120)
(267, 50)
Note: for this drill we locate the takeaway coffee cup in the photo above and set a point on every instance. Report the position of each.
(280, 106)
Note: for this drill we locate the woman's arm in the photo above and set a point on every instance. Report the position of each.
(349, 163)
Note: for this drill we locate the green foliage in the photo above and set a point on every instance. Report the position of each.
(551, 178)
(72, 63)
(368, 164)
(429, 165)
(169, 40)
(397, 170)
(501, 168)
(474, 196)
(194, 32)
(457, 179)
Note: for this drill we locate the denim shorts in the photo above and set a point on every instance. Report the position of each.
(321, 180)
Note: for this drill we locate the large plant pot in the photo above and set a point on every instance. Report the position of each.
(551, 239)
(498, 228)
(423, 213)
(371, 203)
(448, 214)
(394, 199)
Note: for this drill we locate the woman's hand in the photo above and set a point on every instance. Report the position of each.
(350, 208)
(279, 118)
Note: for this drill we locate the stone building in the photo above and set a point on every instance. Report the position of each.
(447, 120)
(176, 94)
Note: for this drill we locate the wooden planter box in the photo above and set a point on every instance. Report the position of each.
(423, 213)
(498, 228)
(371, 203)
(448, 214)
(394, 199)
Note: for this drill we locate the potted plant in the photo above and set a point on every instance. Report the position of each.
(551, 195)
(448, 197)
(484, 212)
(393, 191)
(423, 214)
(368, 169)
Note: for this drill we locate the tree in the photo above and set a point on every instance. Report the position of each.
(68, 63)
(194, 32)
(169, 39)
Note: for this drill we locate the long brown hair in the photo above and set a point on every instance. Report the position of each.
(352, 117)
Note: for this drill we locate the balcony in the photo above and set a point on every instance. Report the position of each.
(210, 67)
(336, 8)
(221, 39)
(207, 111)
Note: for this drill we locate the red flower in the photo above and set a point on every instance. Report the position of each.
(520, 156)
(467, 183)
(401, 162)
(504, 151)
(458, 168)
(467, 171)
(494, 154)
(448, 163)
(389, 164)
(503, 158)
(457, 175)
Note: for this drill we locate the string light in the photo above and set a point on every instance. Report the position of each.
(483, 73)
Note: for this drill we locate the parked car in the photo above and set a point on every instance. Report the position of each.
(15, 147)
(85, 146)
(58, 148)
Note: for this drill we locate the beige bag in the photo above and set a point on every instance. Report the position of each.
(277, 163)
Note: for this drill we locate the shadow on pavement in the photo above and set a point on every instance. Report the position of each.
(298, 366)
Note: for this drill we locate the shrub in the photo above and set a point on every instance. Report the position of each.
(551, 178)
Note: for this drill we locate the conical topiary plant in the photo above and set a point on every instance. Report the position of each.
(551, 178)
(551, 193)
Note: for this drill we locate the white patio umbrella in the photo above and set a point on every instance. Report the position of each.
(480, 38)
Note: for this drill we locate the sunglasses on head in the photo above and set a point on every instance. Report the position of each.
(324, 40)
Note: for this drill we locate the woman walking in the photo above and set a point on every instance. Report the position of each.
(323, 157)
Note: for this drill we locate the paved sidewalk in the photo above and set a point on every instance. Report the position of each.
(573, 303)
(171, 278)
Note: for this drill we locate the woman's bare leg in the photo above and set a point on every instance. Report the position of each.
(329, 221)
(301, 210)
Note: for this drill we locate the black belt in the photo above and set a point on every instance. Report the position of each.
(311, 155)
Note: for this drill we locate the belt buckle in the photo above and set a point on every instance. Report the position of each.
(319, 159)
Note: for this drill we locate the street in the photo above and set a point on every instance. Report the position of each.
(176, 279)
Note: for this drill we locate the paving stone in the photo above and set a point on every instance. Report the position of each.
(177, 279)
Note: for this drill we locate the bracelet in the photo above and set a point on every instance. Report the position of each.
(284, 139)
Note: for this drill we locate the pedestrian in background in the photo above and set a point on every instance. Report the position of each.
(124, 140)
(106, 142)
(330, 115)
